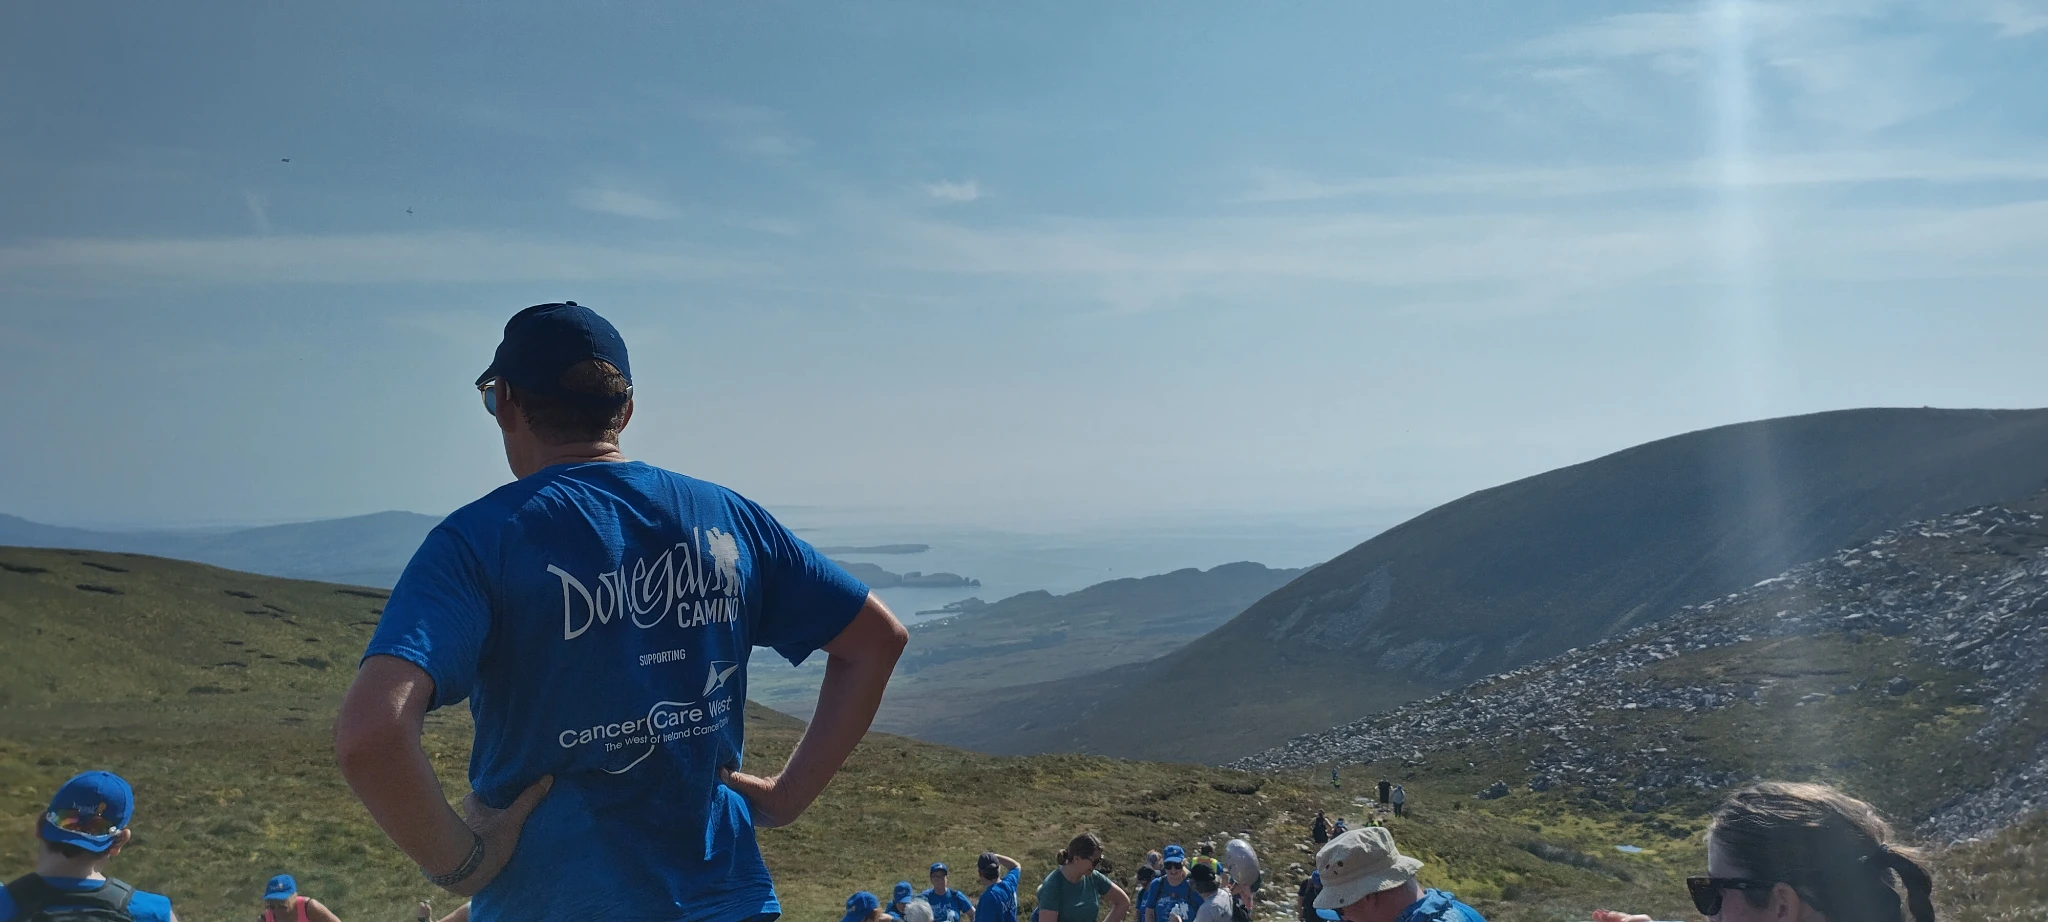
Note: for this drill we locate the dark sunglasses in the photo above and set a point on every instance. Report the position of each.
(91, 825)
(1707, 891)
(490, 391)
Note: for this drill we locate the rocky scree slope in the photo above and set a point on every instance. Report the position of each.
(1909, 667)
(1524, 571)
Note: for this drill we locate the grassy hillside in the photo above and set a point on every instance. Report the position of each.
(369, 550)
(1524, 571)
(236, 783)
(1036, 637)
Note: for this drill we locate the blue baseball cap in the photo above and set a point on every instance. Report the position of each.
(89, 811)
(281, 887)
(545, 340)
(1174, 853)
(939, 867)
(859, 905)
(904, 890)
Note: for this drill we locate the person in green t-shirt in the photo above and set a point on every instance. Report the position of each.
(1073, 891)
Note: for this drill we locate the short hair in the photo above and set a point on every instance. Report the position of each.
(566, 420)
(67, 849)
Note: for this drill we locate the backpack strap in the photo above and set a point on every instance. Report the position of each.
(31, 892)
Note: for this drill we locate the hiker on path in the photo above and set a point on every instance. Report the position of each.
(1386, 791)
(78, 835)
(1367, 879)
(948, 905)
(900, 898)
(1246, 877)
(1169, 896)
(1400, 800)
(282, 903)
(1305, 897)
(1333, 777)
(1803, 851)
(863, 907)
(1147, 870)
(426, 913)
(998, 900)
(1319, 831)
(1215, 901)
(1207, 858)
(1339, 829)
(1074, 890)
(599, 614)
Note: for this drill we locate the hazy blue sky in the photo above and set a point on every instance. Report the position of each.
(1009, 261)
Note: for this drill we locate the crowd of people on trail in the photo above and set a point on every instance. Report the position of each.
(598, 615)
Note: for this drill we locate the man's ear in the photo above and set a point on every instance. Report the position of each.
(508, 416)
(629, 415)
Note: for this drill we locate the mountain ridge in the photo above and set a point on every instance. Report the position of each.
(1517, 572)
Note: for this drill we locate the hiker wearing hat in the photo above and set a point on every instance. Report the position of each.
(1169, 896)
(948, 905)
(598, 614)
(998, 900)
(282, 903)
(1212, 900)
(1366, 879)
(79, 834)
(863, 907)
(899, 898)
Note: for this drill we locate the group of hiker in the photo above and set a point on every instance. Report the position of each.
(598, 615)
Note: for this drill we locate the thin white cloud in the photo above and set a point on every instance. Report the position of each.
(1828, 168)
(358, 258)
(2015, 18)
(754, 131)
(949, 191)
(258, 205)
(624, 203)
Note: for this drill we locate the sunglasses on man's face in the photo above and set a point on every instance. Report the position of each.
(86, 824)
(489, 389)
(1708, 891)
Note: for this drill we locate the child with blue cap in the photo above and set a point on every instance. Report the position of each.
(899, 899)
(84, 828)
(282, 903)
(863, 907)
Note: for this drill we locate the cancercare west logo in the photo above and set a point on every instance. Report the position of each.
(697, 582)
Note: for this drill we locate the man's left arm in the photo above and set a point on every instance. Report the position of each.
(857, 668)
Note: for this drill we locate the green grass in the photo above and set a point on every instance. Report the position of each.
(238, 783)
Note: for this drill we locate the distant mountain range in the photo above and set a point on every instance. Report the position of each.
(1524, 571)
(364, 550)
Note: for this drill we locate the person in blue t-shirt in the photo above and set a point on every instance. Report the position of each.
(82, 832)
(598, 614)
(948, 905)
(1169, 895)
(998, 900)
(899, 899)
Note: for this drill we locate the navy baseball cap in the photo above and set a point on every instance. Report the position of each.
(281, 887)
(545, 340)
(938, 867)
(987, 864)
(88, 811)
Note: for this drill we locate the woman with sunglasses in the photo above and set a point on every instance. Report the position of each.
(1804, 853)
(1074, 889)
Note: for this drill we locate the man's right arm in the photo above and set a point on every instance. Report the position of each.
(377, 744)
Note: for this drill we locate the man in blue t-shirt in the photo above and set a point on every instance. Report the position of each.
(598, 613)
(998, 900)
(80, 833)
(1169, 895)
(948, 905)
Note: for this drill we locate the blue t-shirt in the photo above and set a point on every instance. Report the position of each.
(145, 907)
(948, 907)
(1162, 897)
(1439, 906)
(998, 901)
(598, 618)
